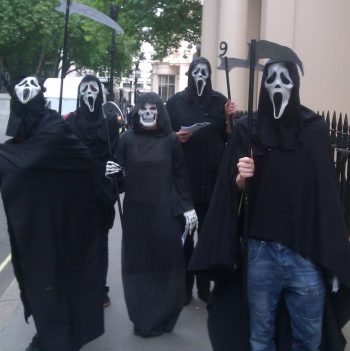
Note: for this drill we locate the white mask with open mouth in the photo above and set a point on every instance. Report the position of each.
(27, 89)
(279, 85)
(200, 74)
(89, 90)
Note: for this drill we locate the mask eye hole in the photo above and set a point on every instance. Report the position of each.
(153, 108)
(284, 79)
(94, 89)
(83, 90)
(143, 108)
(33, 82)
(22, 83)
(196, 72)
(270, 79)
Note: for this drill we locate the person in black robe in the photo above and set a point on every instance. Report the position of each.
(294, 206)
(89, 125)
(157, 212)
(47, 189)
(203, 149)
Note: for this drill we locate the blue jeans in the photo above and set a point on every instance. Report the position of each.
(274, 270)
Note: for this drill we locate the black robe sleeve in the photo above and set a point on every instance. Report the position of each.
(218, 249)
(181, 199)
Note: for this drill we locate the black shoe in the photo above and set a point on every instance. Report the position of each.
(204, 295)
(106, 300)
(150, 334)
(34, 345)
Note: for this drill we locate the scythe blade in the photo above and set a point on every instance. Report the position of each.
(269, 50)
(233, 62)
(91, 13)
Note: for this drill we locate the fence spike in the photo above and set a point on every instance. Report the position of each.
(328, 120)
(333, 127)
(339, 132)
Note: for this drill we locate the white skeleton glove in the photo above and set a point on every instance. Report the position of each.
(191, 221)
(191, 224)
(112, 168)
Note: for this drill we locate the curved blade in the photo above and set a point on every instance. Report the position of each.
(268, 50)
(233, 62)
(91, 13)
(111, 109)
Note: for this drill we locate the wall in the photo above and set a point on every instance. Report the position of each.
(317, 30)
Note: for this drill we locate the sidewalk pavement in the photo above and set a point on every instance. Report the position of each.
(190, 333)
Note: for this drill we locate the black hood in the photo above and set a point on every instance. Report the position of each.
(86, 118)
(24, 118)
(205, 98)
(283, 133)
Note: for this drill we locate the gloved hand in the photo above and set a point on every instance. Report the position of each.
(191, 221)
(112, 168)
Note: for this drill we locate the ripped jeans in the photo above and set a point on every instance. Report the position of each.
(273, 270)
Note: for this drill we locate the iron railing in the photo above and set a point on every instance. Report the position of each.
(340, 140)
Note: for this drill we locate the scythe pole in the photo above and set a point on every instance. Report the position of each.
(64, 54)
(229, 121)
(247, 187)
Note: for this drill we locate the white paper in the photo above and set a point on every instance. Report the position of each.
(194, 127)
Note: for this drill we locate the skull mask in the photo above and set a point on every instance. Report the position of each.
(200, 74)
(27, 89)
(148, 116)
(279, 85)
(89, 90)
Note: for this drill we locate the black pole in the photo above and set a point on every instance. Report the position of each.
(114, 15)
(64, 54)
(115, 182)
(229, 119)
(227, 79)
(135, 85)
(247, 181)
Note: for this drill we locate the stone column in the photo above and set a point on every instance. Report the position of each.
(210, 28)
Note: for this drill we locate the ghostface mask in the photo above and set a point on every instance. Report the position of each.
(27, 89)
(279, 85)
(148, 116)
(200, 74)
(89, 91)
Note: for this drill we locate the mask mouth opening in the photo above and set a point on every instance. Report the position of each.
(26, 94)
(200, 87)
(90, 100)
(277, 104)
(148, 119)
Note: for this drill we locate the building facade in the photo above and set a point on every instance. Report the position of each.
(317, 30)
(169, 75)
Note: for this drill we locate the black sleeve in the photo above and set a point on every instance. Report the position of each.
(182, 200)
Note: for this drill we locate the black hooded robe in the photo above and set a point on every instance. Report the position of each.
(203, 151)
(49, 200)
(308, 186)
(156, 196)
(92, 128)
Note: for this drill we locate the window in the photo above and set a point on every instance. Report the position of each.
(166, 86)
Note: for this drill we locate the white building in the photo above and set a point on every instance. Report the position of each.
(317, 30)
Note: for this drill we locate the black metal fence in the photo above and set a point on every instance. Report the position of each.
(340, 140)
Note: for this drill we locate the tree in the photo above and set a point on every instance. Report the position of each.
(31, 33)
